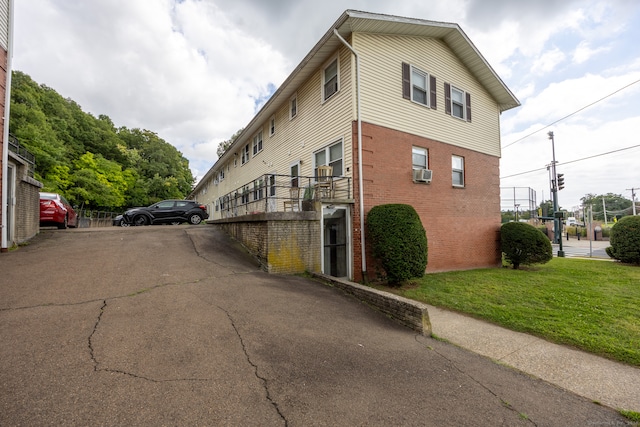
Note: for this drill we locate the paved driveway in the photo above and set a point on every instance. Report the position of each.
(176, 325)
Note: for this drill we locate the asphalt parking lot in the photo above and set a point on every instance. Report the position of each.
(177, 325)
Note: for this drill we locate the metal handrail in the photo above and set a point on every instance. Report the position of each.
(268, 192)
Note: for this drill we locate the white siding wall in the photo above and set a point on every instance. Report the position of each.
(381, 58)
(316, 125)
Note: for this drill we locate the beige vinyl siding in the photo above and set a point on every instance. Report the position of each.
(317, 125)
(381, 58)
(4, 24)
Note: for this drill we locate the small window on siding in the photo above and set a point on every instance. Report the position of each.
(331, 155)
(272, 126)
(457, 102)
(457, 171)
(293, 107)
(257, 143)
(418, 86)
(330, 80)
(245, 154)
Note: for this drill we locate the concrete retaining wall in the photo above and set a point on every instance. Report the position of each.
(412, 314)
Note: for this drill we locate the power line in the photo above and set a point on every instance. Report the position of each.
(572, 114)
(572, 161)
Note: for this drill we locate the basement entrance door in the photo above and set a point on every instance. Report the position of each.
(336, 238)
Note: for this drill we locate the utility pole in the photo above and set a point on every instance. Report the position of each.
(604, 209)
(557, 216)
(633, 198)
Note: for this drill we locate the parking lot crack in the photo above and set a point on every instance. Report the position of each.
(93, 332)
(96, 363)
(263, 380)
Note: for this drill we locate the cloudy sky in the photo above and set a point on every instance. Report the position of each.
(195, 71)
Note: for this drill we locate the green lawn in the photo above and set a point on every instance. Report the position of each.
(592, 305)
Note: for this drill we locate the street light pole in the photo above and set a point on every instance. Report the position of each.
(557, 222)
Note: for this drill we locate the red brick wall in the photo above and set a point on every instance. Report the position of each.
(462, 224)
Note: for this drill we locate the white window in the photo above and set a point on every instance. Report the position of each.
(332, 156)
(257, 143)
(330, 80)
(294, 169)
(457, 171)
(293, 106)
(419, 86)
(244, 199)
(245, 154)
(221, 175)
(258, 189)
(272, 126)
(457, 103)
(420, 158)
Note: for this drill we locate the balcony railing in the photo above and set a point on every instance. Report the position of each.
(23, 153)
(273, 193)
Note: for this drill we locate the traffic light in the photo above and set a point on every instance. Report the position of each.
(560, 181)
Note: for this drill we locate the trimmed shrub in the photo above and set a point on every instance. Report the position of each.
(625, 240)
(523, 244)
(398, 240)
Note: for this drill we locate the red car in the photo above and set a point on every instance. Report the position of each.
(56, 210)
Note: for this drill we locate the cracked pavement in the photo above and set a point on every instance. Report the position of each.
(177, 325)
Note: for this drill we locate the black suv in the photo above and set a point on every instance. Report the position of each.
(166, 212)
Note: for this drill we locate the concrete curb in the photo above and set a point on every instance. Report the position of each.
(412, 314)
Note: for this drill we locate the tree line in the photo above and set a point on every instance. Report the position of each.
(617, 206)
(89, 160)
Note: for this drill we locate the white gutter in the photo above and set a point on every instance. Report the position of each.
(5, 135)
(360, 181)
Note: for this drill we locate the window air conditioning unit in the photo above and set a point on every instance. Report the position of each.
(422, 175)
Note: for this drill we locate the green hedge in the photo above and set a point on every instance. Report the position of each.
(398, 240)
(523, 244)
(625, 240)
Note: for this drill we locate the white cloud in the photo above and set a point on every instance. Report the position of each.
(584, 52)
(548, 61)
(192, 70)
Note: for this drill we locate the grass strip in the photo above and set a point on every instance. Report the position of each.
(588, 304)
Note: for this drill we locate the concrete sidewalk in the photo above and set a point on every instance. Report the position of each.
(595, 378)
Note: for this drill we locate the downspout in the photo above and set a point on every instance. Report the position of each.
(360, 181)
(5, 134)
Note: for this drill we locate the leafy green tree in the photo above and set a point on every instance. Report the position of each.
(224, 145)
(616, 205)
(88, 159)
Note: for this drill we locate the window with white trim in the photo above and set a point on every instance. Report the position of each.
(457, 102)
(244, 197)
(294, 170)
(245, 154)
(258, 189)
(257, 143)
(330, 80)
(457, 171)
(418, 86)
(293, 107)
(331, 155)
(420, 158)
(272, 125)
